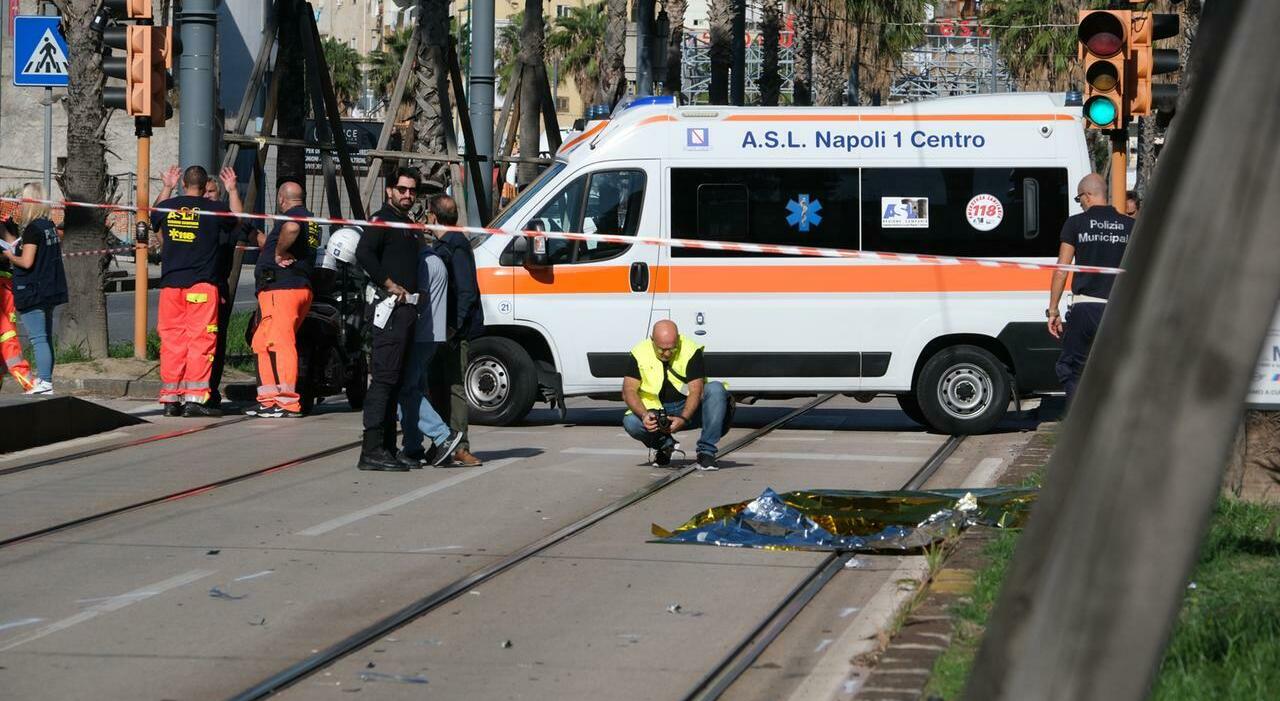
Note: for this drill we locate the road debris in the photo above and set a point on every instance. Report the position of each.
(219, 594)
(399, 678)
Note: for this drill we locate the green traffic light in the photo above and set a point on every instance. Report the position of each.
(1100, 111)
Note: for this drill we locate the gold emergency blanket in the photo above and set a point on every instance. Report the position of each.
(851, 520)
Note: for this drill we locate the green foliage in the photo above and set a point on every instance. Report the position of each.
(345, 70)
(1039, 57)
(507, 50)
(1226, 642)
(124, 349)
(384, 64)
(575, 40)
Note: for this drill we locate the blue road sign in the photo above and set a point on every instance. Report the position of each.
(39, 52)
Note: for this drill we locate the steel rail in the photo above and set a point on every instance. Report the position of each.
(745, 654)
(370, 634)
(92, 452)
(193, 491)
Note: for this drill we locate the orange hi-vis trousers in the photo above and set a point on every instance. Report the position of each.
(188, 327)
(10, 347)
(276, 343)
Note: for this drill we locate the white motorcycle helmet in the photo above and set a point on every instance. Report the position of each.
(341, 247)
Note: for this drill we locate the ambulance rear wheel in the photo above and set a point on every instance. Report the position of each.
(963, 390)
(501, 381)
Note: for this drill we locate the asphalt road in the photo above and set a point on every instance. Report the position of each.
(120, 308)
(201, 596)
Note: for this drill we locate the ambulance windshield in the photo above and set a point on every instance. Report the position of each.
(529, 193)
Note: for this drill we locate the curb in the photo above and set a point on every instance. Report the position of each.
(111, 387)
(905, 666)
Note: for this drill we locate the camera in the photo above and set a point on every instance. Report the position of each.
(664, 421)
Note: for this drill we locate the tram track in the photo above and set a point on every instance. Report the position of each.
(101, 450)
(740, 659)
(176, 496)
(362, 638)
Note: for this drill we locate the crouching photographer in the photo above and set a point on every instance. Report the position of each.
(666, 391)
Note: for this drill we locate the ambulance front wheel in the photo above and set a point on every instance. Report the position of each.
(963, 390)
(501, 381)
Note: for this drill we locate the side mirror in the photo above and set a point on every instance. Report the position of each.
(535, 248)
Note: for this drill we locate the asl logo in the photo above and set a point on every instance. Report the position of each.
(697, 138)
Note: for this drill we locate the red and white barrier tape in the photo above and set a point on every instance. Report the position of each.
(777, 249)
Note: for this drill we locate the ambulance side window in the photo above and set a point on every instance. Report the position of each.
(964, 211)
(604, 202)
(562, 213)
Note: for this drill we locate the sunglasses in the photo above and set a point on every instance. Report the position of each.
(405, 189)
(1077, 198)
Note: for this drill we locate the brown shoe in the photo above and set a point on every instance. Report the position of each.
(463, 458)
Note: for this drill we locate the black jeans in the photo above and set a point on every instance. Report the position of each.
(1081, 325)
(390, 349)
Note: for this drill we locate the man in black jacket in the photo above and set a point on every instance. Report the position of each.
(466, 322)
(389, 255)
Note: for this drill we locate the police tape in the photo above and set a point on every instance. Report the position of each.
(733, 246)
(125, 249)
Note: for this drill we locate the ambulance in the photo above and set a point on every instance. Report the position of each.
(956, 343)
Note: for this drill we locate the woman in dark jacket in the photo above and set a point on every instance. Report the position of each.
(39, 281)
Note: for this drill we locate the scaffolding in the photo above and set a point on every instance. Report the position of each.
(695, 67)
(956, 58)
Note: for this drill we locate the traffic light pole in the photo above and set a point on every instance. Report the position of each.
(1119, 167)
(142, 129)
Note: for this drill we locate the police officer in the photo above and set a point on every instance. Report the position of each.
(389, 256)
(1097, 236)
(666, 390)
(191, 240)
(286, 264)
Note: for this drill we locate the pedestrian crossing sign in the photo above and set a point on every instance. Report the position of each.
(40, 54)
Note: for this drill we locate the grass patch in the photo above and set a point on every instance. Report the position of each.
(124, 349)
(1226, 643)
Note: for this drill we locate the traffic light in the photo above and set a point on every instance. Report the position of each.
(1104, 52)
(1147, 96)
(148, 56)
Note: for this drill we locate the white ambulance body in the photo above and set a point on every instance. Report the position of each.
(986, 176)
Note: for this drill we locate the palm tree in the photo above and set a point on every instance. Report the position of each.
(615, 50)
(720, 21)
(830, 55)
(802, 80)
(431, 87)
(532, 57)
(574, 40)
(507, 49)
(345, 69)
(770, 29)
(84, 318)
(886, 29)
(384, 63)
(1039, 57)
(675, 45)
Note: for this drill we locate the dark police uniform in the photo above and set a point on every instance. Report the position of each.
(1099, 236)
(387, 253)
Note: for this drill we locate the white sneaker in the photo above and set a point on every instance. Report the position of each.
(41, 387)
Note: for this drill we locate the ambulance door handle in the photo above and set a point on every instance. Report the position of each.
(639, 277)
(700, 320)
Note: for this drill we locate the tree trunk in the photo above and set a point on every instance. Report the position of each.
(675, 46)
(531, 57)
(84, 318)
(720, 19)
(770, 28)
(431, 93)
(614, 72)
(829, 68)
(802, 82)
(291, 114)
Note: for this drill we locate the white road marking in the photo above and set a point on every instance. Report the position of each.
(984, 475)
(339, 522)
(255, 575)
(114, 603)
(823, 645)
(822, 457)
(794, 438)
(63, 445)
(846, 612)
(437, 548)
(19, 623)
(831, 671)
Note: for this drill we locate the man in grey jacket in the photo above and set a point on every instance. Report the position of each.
(417, 417)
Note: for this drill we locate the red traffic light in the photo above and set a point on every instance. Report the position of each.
(1102, 34)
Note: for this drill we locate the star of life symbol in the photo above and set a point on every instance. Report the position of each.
(48, 58)
(804, 212)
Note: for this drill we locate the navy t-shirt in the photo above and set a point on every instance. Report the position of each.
(45, 282)
(1100, 236)
(192, 242)
(297, 275)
